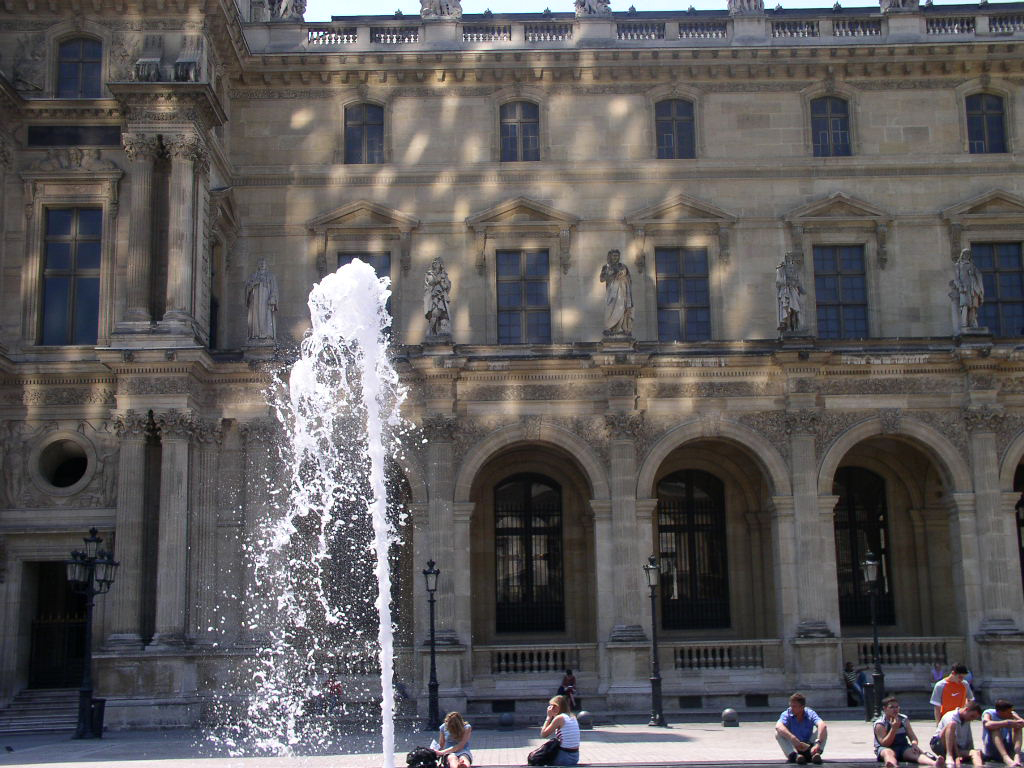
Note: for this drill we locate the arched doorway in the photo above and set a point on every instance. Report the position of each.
(693, 551)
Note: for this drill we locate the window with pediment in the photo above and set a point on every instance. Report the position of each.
(524, 306)
(71, 276)
(1002, 272)
(80, 68)
(684, 294)
(840, 291)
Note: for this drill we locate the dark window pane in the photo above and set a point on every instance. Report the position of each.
(58, 221)
(666, 261)
(374, 143)
(695, 262)
(669, 292)
(531, 141)
(861, 525)
(669, 328)
(56, 298)
(87, 308)
(698, 324)
(58, 256)
(663, 109)
(74, 135)
(354, 144)
(373, 113)
(537, 264)
(536, 294)
(88, 255)
(538, 328)
(90, 222)
(72, 49)
(508, 263)
(509, 295)
(508, 111)
(826, 288)
(67, 80)
(819, 106)
(91, 50)
(1009, 256)
(509, 330)
(530, 111)
(91, 81)
(695, 291)
(984, 256)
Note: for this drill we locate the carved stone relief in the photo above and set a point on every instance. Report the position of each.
(29, 60)
(73, 159)
(125, 50)
(950, 424)
(772, 425)
(881, 385)
(711, 388)
(33, 395)
(1008, 430)
(982, 418)
(437, 428)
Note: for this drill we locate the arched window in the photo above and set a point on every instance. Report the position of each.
(520, 131)
(830, 127)
(673, 124)
(528, 555)
(364, 133)
(986, 124)
(692, 551)
(79, 69)
(862, 524)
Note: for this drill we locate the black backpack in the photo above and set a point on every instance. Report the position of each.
(421, 757)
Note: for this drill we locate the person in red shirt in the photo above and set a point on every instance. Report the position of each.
(951, 692)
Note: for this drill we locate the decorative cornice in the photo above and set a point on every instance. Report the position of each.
(162, 103)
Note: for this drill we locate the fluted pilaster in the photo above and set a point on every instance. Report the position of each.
(141, 150)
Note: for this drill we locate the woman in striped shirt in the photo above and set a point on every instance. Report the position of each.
(561, 721)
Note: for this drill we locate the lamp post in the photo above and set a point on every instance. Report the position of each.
(90, 573)
(872, 574)
(430, 575)
(653, 572)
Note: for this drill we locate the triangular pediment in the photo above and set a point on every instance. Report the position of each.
(362, 214)
(995, 203)
(679, 209)
(521, 211)
(837, 206)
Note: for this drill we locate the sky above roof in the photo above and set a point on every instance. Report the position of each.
(322, 10)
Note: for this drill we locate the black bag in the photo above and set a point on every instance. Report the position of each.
(545, 753)
(421, 757)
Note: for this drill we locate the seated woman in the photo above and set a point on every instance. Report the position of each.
(561, 722)
(895, 740)
(453, 741)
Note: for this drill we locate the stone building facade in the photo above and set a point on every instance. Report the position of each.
(816, 171)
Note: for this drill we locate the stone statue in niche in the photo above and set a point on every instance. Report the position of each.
(440, 9)
(106, 472)
(618, 296)
(789, 288)
(969, 288)
(436, 290)
(287, 10)
(741, 7)
(593, 8)
(261, 299)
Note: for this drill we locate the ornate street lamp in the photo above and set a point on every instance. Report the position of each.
(872, 577)
(653, 574)
(430, 575)
(90, 573)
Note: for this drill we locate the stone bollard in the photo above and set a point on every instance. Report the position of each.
(506, 721)
(585, 720)
(730, 718)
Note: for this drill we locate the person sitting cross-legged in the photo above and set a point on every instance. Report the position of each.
(953, 739)
(895, 740)
(800, 732)
(1001, 730)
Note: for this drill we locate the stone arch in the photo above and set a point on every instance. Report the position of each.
(1012, 457)
(764, 453)
(592, 467)
(952, 467)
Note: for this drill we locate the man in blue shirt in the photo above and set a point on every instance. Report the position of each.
(1001, 734)
(800, 732)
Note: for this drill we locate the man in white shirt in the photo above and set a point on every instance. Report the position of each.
(953, 739)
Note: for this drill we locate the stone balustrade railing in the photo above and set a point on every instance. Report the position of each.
(736, 654)
(905, 651)
(534, 659)
(479, 32)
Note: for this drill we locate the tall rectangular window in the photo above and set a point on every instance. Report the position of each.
(71, 276)
(830, 127)
(79, 69)
(986, 124)
(684, 297)
(840, 290)
(520, 131)
(673, 122)
(364, 133)
(1001, 271)
(524, 309)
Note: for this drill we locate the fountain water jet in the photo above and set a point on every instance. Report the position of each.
(341, 412)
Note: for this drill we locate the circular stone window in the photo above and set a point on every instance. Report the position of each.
(63, 463)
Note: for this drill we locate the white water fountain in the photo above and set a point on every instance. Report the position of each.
(340, 410)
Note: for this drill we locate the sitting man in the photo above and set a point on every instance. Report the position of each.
(895, 740)
(953, 739)
(800, 732)
(1001, 729)
(854, 684)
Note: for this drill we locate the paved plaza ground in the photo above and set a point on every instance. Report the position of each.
(752, 743)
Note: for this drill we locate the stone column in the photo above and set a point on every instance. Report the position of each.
(140, 149)
(632, 541)
(923, 597)
(461, 577)
(176, 429)
(126, 595)
(605, 571)
(646, 509)
(256, 436)
(202, 534)
(818, 609)
(440, 435)
(966, 571)
(997, 537)
(188, 156)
